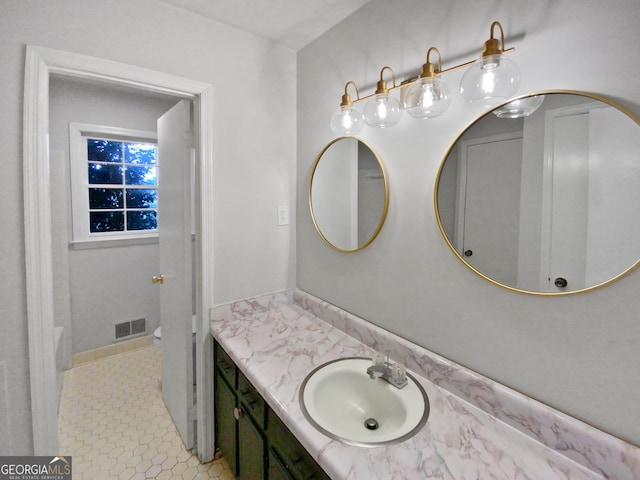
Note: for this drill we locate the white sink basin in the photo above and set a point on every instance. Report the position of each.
(341, 401)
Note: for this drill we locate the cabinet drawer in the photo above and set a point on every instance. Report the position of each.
(291, 454)
(251, 400)
(226, 366)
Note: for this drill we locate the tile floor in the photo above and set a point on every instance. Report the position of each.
(114, 423)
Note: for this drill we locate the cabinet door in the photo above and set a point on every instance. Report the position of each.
(251, 447)
(226, 433)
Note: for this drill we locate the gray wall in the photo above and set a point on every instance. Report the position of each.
(107, 284)
(578, 353)
(254, 156)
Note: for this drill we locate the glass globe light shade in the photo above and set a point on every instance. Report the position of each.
(347, 120)
(490, 80)
(382, 111)
(522, 107)
(428, 97)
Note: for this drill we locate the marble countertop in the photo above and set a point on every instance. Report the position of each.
(276, 343)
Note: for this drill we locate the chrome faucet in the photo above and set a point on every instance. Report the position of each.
(394, 373)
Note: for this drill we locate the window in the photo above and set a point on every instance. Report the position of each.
(122, 186)
(114, 182)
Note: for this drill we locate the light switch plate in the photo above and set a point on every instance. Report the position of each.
(283, 215)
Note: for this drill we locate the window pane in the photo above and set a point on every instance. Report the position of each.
(141, 175)
(106, 221)
(138, 153)
(100, 173)
(142, 220)
(104, 151)
(110, 198)
(142, 198)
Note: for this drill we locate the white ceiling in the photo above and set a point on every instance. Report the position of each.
(292, 23)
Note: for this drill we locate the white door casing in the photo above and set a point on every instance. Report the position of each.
(569, 162)
(174, 232)
(40, 63)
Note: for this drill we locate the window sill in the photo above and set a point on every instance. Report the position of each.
(113, 242)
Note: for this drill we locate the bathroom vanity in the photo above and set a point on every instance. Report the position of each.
(267, 346)
(250, 435)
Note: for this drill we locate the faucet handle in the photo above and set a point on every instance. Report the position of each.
(399, 373)
(378, 359)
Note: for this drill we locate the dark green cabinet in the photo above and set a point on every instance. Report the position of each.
(251, 449)
(236, 406)
(252, 437)
(290, 452)
(226, 437)
(277, 470)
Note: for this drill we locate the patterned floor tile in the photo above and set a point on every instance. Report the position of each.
(114, 423)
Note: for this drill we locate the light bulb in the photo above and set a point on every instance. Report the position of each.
(492, 79)
(522, 107)
(428, 97)
(382, 111)
(347, 120)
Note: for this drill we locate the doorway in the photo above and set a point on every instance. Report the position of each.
(41, 63)
(95, 278)
(103, 291)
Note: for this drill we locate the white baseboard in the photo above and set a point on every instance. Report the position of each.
(102, 352)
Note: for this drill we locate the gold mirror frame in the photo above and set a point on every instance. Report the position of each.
(449, 243)
(385, 206)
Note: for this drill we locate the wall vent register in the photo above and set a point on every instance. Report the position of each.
(130, 328)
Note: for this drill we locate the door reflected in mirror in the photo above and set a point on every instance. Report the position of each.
(545, 203)
(348, 194)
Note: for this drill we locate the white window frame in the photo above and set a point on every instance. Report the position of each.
(78, 135)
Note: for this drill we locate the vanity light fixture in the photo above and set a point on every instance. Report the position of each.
(489, 80)
(429, 96)
(347, 120)
(383, 110)
(492, 78)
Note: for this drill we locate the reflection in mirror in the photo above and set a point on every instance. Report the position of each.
(545, 203)
(348, 194)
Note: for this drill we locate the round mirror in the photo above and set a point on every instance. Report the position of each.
(348, 194)
(541, 195)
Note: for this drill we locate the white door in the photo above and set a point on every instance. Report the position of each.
(490, 230)
(335, 194)
(174, 227)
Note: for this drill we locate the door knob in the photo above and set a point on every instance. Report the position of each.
(560, 282)
(157, 279)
